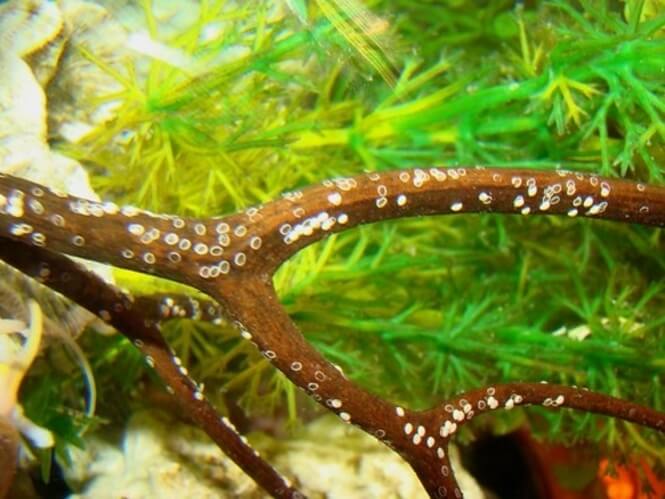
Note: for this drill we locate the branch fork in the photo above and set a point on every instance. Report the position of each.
(233, 259)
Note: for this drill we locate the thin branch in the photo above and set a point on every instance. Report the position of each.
(117, 308)
(456, 412)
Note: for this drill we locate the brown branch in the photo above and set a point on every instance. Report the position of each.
(259, 239)
(233, 259)
(456, 412)
(256, 308)
(117, 308)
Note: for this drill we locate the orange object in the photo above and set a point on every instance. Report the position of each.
(623, 482)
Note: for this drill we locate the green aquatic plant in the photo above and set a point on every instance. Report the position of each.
(421, 309)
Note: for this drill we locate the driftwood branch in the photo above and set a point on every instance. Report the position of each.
(119, 309)
(232, 259)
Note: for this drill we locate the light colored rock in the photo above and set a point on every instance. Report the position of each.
(159, 458)
(27, 26)
(22, 101)
(24, 151)
(33, 30)
(91, 32)
(338, 461)
(23, 148)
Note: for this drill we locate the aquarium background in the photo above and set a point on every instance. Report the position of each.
(202, 108)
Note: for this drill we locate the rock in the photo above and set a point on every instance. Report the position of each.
(22, 114)
(95, 48)
(325, 459)
(34, 31)
(157, 457)
(24, 150)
